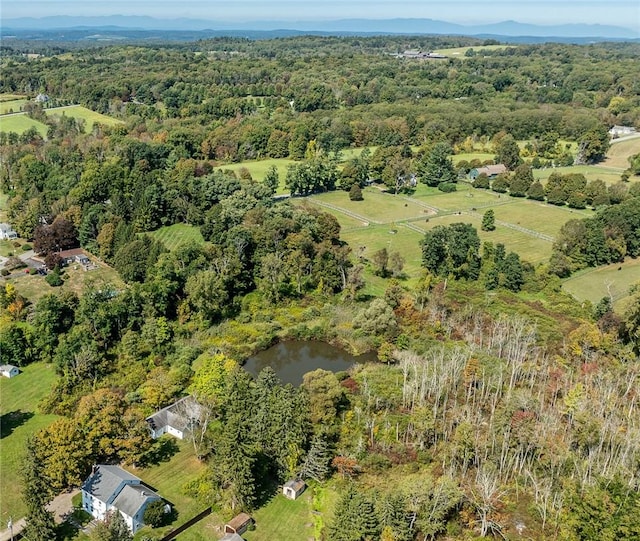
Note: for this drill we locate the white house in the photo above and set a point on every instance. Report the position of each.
(292, 489)
(8, 370)
(110, 488)
(7, 232)
(176, 419)
(621, 131)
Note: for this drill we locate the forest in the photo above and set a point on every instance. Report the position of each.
(499, 407)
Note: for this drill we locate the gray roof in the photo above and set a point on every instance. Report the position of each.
(295, 484)
(105, 480)
(132, 498)
(176, 415)
(5, 227)
(232, 537)
(7, 367)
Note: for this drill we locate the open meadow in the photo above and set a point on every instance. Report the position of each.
(9, 106)
(611, 281)
(21, 418)
(175, 235)
(620, 151)
(459, 52)
(259, 168)
(89, 117)
(591, 172)
(20, 123)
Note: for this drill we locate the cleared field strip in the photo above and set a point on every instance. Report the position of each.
(363, 219)
(611, 281)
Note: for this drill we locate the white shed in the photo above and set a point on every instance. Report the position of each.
(8, 370)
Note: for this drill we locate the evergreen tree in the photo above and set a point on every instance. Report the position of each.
(437, 167)
(40, 525)
(272, 179)
(508, 152)
(521, 181)
(489, 220)
(536, 191)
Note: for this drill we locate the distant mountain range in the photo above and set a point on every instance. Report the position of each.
(343, 26)
(120, 27)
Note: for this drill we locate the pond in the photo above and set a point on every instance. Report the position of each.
(293, 359)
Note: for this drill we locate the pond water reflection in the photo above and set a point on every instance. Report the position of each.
(291, 360)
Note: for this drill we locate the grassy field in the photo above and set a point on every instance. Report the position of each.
(173, 236)
(618, 155)
(20, 418)
(12, 106)
(10, 97)
(82, 113)
(168, 479)
(615, 280)
(456, 52)
(258, 169)
(591, 172)
(75, 279)
(20, 124)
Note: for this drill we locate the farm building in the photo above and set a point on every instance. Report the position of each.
(175, 419)
(8, 370)
(238, 524)
(292, 489)
(7, 232)
(110, 488)
(491, 171)
(621, 131)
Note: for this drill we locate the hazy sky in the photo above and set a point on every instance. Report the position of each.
(613, 12)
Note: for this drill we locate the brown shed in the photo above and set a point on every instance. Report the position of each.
(238, 524)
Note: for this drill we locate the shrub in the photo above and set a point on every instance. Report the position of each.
(355, 194)
(54, 279)
(447, 187)
(4, 272)
(26, 247)
(155, 514)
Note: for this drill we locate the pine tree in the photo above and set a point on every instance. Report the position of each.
(40, 525)
(436, 167)
(489, 220)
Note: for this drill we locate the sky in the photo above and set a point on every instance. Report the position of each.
(625, 13)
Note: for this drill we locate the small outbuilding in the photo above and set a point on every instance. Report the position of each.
(292, 489)
(8, 370)
(7, 232)
(238, 524)
(177, 419)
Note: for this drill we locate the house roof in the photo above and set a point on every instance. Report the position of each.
(295, 484)
(5, 227)
(492, 169)
(177, 415)
(71, 253)
(105, 480)
(7, 367)
(132, 498)
(232, 537)
(239, 521)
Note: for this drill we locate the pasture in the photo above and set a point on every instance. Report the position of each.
(20, 123)
(12, 105)
(610, 280)
(620, 151)
(175, 235)
(89, 117)
(20, 419)
(591, 172)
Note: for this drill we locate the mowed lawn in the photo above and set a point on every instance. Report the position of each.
(82, 113)
(456, 52)
(21, 123)
(283, 519)
(19, 398)
(615, 280)
(175, 235)
(169, 479)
